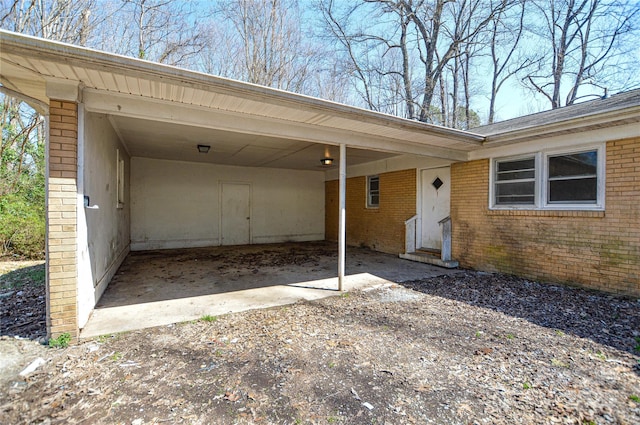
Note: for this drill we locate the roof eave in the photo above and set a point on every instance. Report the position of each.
(600, 119)
(80, 56)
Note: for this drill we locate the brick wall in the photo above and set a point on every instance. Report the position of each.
(600, 250)
(381, 229)
(61, 219)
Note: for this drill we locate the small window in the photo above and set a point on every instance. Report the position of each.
(373, 192)
(573, 179)
(120, 178)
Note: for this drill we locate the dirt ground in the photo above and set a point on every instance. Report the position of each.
(472, 348)
(22, 300)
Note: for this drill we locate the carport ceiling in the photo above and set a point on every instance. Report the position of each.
(164, 140)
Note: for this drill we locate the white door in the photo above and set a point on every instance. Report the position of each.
(436, 193)
(235, 213)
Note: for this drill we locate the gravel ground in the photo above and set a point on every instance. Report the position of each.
(473, 348)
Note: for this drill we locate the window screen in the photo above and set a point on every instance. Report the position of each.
(573, 178)
(515, 182)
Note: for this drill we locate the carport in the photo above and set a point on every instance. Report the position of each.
(145, 156)
(163, 287)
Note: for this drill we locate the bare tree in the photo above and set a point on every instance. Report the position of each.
(357, 60)
(264, 43)
(505, 37)
(579, 39)
(331, 83)
(62, 20)
(165, 31)
(456, 108)
(19, 152)
(22, 147)
(428, 33)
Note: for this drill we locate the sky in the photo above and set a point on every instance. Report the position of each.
(514, 100)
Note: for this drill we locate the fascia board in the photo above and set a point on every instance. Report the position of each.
(159, 110)
(82, 57)
(597, 120)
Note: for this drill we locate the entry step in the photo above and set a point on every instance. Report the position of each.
(429, 257)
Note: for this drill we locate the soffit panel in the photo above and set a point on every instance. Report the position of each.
(23, 80)
(82, 74)
(192, 96)
(163, 140)
(162, 111)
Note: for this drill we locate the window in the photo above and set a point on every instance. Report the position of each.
(549, 180)
(373, 192)
(515, 182)
(573, 178)
(120, 179)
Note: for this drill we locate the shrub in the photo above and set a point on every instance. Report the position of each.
(22, 227)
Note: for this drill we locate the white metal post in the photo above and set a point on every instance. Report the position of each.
(342, 218)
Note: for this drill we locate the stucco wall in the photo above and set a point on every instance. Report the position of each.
(176, 204)
(596, 249)
(104, 242)
(382, 228)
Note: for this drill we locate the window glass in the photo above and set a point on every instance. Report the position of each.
(515, 182)
(574, 165)
(373, 191)
(511, 170)
(120, 179)
(515, 193)
(573, 178)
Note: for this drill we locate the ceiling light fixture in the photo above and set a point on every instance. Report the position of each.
(204, 148)
(326, 161)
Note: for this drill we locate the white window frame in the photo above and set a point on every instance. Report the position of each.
(370, 204)
(120, 189)
(494, 173)
(542, 181)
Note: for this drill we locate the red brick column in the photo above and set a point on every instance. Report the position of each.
(62, 288)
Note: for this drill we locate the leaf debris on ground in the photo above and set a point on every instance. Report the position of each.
(474, 348)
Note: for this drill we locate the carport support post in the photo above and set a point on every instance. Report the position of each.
(342, 219)
(61, 232)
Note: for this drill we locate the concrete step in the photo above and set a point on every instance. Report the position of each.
(429, 258)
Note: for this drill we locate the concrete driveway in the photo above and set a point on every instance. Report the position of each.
(154, 288)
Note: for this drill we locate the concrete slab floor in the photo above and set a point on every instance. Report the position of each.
(154, 288)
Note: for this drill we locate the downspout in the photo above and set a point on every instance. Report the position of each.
(47, 290)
